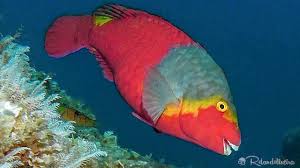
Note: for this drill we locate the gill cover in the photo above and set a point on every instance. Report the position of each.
(188, 121)
(198, 118)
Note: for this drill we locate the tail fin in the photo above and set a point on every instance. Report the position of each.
(67, 35)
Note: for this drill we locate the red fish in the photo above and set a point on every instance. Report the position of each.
(169, 80)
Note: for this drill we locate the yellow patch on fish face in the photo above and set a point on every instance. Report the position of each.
(101, 20)
(192, 106)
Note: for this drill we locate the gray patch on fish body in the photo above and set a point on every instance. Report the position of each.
(192, 73)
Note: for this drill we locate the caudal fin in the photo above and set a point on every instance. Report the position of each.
(67, 35)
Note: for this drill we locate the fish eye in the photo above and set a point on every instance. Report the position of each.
(222, 106)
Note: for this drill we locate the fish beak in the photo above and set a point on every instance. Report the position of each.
(228, 147)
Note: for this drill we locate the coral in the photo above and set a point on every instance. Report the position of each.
(29, 118)
(70, 109)
(11, 160)
(86, 150)
(32, 130)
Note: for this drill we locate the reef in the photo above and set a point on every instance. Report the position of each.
(291, 146)
(41, 126)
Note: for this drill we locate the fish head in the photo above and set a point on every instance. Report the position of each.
(211, 123)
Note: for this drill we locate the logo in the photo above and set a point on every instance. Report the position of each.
(259, 162)
(242, 161)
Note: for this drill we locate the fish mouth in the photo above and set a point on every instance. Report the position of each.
(228, 147)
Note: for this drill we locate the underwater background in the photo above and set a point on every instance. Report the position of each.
(257, 43)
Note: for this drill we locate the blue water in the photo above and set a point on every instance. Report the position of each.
(256, 42)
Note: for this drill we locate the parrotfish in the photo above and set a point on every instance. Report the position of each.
(170, 81)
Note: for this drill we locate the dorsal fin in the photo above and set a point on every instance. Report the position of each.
(115, 11)
(110, 12)
(107, 72)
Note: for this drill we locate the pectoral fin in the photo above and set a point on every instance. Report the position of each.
(157, 93)
(140, 118)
